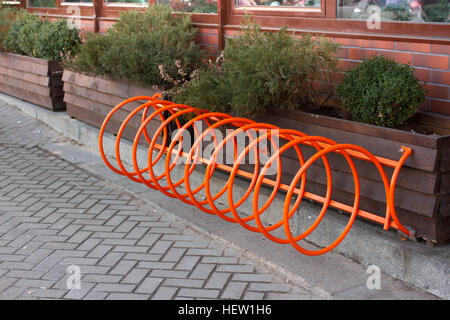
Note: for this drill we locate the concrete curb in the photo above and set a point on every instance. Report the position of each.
(416, 264)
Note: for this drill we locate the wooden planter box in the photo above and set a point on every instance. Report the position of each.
(90, 99)
(31, 79)
(423, 186)
(422, 195)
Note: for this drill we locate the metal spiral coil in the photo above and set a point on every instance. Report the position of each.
(170, 152)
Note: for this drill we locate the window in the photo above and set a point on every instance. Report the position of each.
(396, 10)
(282, 3)
(42, 3)
(194, 6)
(86, 2)
(140, 2)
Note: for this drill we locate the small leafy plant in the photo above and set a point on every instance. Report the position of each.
(262, 70)
(142, 46)
(382, 92)
(35, 37)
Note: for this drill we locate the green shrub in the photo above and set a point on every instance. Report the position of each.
(438, 12)
(7, 16)
(382, 92)
(143, 47)
(32, 36)
(207, 90)
(260, 71)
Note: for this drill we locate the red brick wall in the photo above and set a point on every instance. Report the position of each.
(430, 61)
(207, 38)
(86, 25)
(105, 25)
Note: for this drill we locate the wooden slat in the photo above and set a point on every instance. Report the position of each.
(443, 230)
(422, 158)
(55, 66)
(94, 118)
(28, 86)
(58, 103)
(409, 178)
(94, 95)
(25, 76)
(425, 227)
(56, 80)
(358, 127)
(444, 206)
(410, 200)
(40, 100)
(102, 110)
(56, 91)
(444, 187)
(444, 159)
(25, 64)
(117, 88)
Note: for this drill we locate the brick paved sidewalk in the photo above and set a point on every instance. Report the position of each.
(54, 214)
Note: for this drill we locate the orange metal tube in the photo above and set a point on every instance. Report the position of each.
(169, 114)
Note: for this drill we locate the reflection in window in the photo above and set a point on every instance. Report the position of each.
(194, 6)
(42, 3)
(76, 1)
(128, 1)
(277, 3)
(396, 10)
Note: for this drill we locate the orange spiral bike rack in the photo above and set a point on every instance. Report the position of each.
(171, 114)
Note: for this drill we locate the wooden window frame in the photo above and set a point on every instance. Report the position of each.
(324, 22)
(328, 24)
(281, 11)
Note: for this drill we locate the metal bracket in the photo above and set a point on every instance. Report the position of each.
(403, 236)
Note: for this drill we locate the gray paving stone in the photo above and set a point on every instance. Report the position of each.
(169, 273)
(286, 296)
(96, 295)
(123, 267)
(249, 295)
(135, 276)
(185, 283)
(5, 283)
(125, 248)
(82, 292)
(12, 293)
(149, 285)
(268, 287)
(236, 268)
(187, 263)
(217, 280)
(164, 293)
(111, 258)
(202, 271)
(114, 287)
(234, 290)
(127, 296)
(174, 254)
(130, 249)
(199, 293)
(102, 278)
(251, 277)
